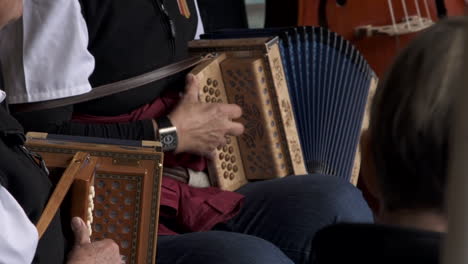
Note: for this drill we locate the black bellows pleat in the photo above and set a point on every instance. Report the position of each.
(328, 82)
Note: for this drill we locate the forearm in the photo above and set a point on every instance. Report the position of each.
(58, 121)
(138, 130)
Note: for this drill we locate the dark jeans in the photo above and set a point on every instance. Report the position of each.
(276, 224)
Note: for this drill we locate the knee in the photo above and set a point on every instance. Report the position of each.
(328, 196)
(339, 198)
(243, 249)
(224, 247)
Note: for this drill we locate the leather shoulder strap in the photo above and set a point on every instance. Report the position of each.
(116, 87)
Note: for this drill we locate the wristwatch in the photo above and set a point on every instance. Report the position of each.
(167, 134)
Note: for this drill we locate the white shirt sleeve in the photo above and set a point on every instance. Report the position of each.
(19, 237)
(44, 54)
(200, 28)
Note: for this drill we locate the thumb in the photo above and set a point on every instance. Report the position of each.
(81, 232)
(191, 88)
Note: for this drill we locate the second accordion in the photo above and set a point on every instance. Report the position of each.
(303, 85)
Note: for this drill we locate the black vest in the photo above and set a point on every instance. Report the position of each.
(30, 186)
(132, 37)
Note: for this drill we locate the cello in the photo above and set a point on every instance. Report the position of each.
(378, 28)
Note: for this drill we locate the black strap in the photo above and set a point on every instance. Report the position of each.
(163, 122)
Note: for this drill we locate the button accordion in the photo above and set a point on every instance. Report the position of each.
(114, 187)
(304, 93)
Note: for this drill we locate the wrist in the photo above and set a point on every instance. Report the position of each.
(155, 130)
(167, 133)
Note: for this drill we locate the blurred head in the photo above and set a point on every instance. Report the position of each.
(406, 147)
(10, 10)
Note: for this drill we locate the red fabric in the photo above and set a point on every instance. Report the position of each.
(195, 209)
(188, 209)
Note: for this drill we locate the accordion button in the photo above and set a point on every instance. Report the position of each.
(218, 93)
(211, 91)
(231, 176)
(111, 229)
(235, 168)
(205, 89)
(113, 214)
(233, 159)
(220, 101)
(215, 83)
(130, 187)
(227, 158)
(221, 155)
(226, 175)
(231, 149)
(213, 100)
(225, 148)
(101, 184)
(126, 215)
(228, 141)
(229, 167)
(99, 213)
(100, 198)
(115, 185)
(219, 147)
(223, 165)
(208, 99)
(209, 81)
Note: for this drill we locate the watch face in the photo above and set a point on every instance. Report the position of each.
(168, 139)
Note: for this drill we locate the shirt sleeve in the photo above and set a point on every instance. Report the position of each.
(19, 237)
(200, 27)
(138, 130)
(58, 121)
(32, 71)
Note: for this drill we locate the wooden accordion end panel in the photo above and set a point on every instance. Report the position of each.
(121, 201)
(226, 170)
(83, 194)
(270, 147)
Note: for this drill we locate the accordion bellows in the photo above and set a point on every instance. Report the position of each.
(328, 82)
